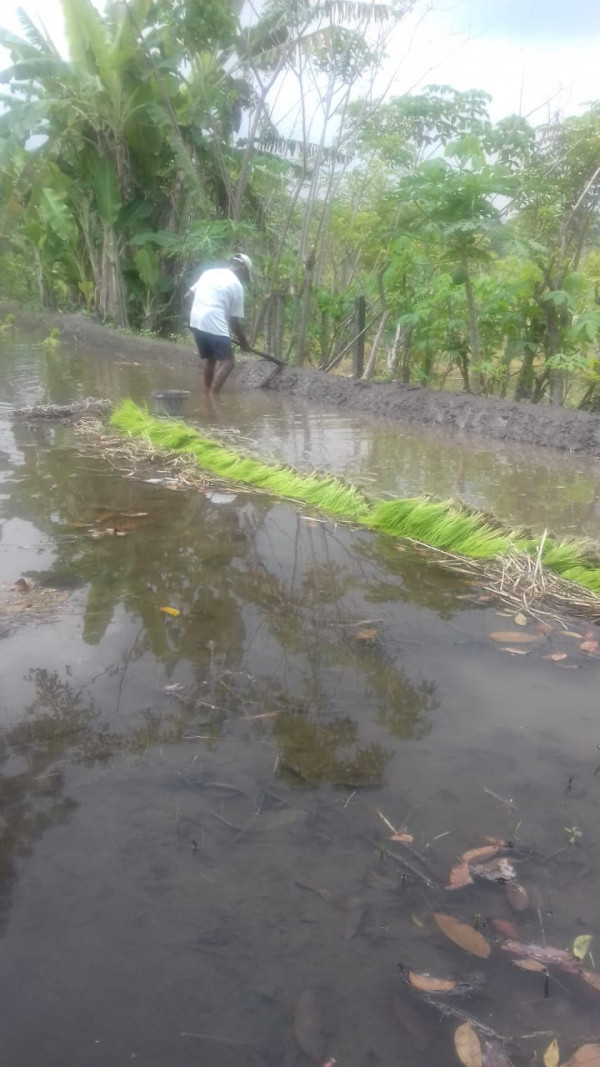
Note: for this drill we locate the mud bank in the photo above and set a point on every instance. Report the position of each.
(568, 431)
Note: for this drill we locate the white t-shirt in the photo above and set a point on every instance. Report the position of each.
(218, 297)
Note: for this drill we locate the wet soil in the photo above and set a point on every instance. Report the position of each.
(544, 426)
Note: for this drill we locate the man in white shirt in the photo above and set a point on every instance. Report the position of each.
(217, 311)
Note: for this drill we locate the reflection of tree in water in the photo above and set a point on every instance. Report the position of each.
(312, 751)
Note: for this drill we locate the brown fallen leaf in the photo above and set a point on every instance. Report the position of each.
(517, 896)
(572, 633)
(556, 656)
(468, 1046)
(135, 514)
(516, 637)
(496, 870)
(589, 635)
(552, 1055)
(24, 585)
(466, 937)
(544, 628)
(543, 954)
(459, 876)
(591, 978)
(413, 1022)
(427, 984)
(403, 837)
(308, 1026)
(521, 619)
(589, 646)
(529, 965)
(585, 1056)
(113, 532)
(485, 852)
(497, 841)
(366, 635)
(515, 651)
(506, 928)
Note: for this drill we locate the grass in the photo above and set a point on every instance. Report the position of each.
(443, 525)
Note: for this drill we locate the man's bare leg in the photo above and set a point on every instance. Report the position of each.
(225, 369)
(209, 373)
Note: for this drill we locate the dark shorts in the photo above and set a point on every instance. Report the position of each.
(212, 345)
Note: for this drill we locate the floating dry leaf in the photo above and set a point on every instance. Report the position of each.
(498, 842)
(485, 852)
(572, 633)
(517, 896)
(542, 953)
(468, 1046)
(466, 937)
(581, 945)
(586, 1056)
(366, 635)
(556, 656)
(589, 646)
(24, 585)
(552, 1055)
(417, 921)
(516, 651)
(529, 965)
(496, 870)
(591, 978)
(517, 637)
(171, 611)
(544, 627)
(521, 619)
(428, 984)
(113, 532)
(135, 514)
(402, 836)
(506, 928)
(459, 876)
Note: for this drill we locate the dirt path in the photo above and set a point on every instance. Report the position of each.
(569, 431)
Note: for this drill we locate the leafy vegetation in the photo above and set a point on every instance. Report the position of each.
(175, 133)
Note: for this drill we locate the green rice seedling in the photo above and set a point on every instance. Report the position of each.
(444, 525)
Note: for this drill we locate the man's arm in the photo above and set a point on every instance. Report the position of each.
(238, 331)
(188, 296)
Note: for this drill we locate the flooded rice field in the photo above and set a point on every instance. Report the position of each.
(244, 750)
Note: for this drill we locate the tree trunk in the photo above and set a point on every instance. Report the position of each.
(304, 312)
(474, 340)
(325, 337)
(526, 379)
(370, 367)
(393, 355)
(45, 293)
(112, 295)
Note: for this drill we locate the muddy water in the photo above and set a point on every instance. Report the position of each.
(172, 783)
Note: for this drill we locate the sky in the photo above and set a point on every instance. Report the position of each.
(538, 58)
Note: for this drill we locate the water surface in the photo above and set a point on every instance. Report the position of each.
(172, 783)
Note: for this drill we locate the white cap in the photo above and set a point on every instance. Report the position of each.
(247, 262)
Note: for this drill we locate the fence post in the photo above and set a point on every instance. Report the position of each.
(358, 348)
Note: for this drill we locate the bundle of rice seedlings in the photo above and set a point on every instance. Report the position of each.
(443, 525)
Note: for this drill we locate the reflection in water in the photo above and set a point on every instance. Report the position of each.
(182, 777)
(313, 752)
